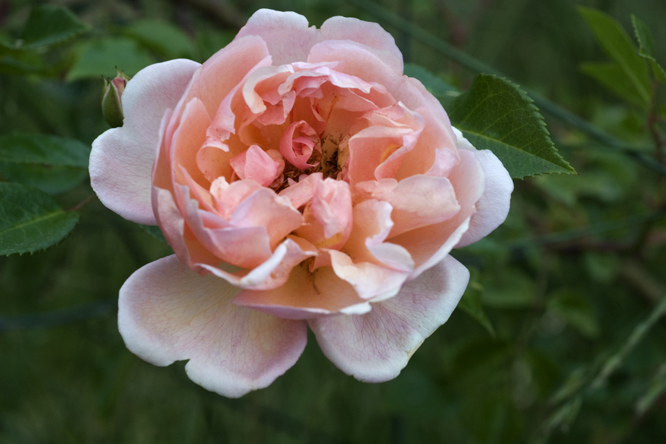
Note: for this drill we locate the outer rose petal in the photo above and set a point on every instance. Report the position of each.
(370, 34)
(286, 33)
(376, 346)
(168, 313)
(493, 206)
(122, 159)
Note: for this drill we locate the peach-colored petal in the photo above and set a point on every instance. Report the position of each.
(371, 281)
(302, 191)
(172, 224)
(271, 274)
(187, 138)
(306, 295)
(121, 159)
(224, 71)
(367, 33)
(361, 61)
(168, 313)
(298, 143)
(429, 245)
(287, 34)
(435, 153)
(266, 209)
(255, 164)
(328, 218)
(493, 206)
(417, 201)
(376, 346)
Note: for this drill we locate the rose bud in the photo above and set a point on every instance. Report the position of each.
(111, 99)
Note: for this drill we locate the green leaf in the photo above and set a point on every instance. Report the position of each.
(31, 220)
(49, 25)
(50, 163)
(497, 115)
(470, 302)
(610, 75)
(646, 47)
(44, 149)
(617, 44)
(162, 37)
(101, 57)
(437, 86)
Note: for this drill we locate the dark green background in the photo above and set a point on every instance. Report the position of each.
(560, 306)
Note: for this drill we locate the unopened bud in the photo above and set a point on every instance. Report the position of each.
(112, 108)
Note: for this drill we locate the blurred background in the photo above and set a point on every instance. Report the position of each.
(561, 338)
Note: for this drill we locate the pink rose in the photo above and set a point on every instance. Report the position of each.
(302, 180)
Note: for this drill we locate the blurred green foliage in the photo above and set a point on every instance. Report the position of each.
(561, 338)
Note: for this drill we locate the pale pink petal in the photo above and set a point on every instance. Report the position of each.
(376, 346)
(372, 225)
(417, 201)
(367, 33)
(371, 281)
(328, 218)
(122, 159)
(302, 191)
(168, 313)
(267, 209)
(255, 164)
(272, 273)
(229, 196)
(179, 237)
(430, 244)
(493, 206)
(306, 295)
(362, 61)
(286, 33)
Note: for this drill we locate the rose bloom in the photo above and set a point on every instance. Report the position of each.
(301, 180)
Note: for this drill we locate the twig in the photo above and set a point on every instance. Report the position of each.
(81, 204)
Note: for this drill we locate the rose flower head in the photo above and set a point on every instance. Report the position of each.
(301, 180)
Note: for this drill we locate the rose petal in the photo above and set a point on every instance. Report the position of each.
(122, 158)
(306, 295)
(376, 346)
(493, 206)
(286, 33)
(272, 273)
(255, 164)
(367, 33)
(429, 245)
(417, 201)
(168, 313)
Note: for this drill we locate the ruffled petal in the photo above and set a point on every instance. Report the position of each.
(287, 34)
(122, 158)
(168, 313)
(306, 295)
(430, 244)
(493, 206)
(376, 346)
(367, 33)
